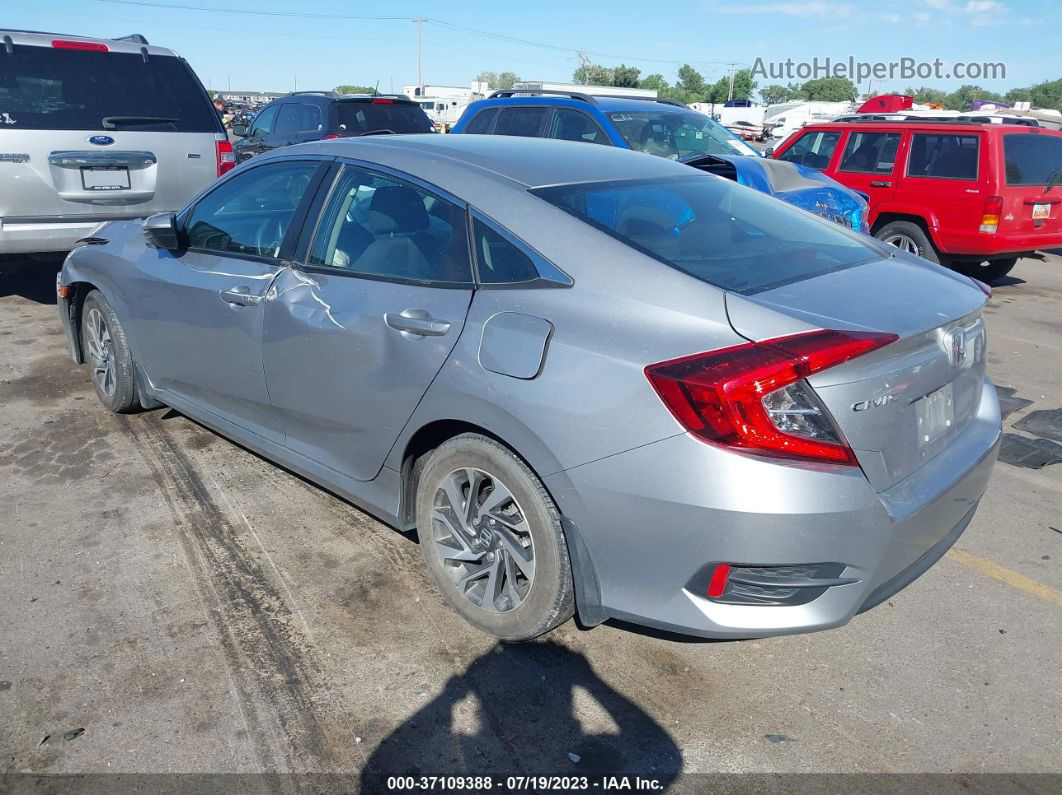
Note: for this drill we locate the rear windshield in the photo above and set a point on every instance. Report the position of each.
(721, 233)
(1032, 158)
(360, 118)
(677, 134)
(42, 88)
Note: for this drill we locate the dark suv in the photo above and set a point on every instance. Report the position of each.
(319, 115)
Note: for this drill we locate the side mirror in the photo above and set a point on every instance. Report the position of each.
(239, 130)
(768, 152)
(160, 230)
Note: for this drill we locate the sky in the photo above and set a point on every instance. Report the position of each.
(278, 45)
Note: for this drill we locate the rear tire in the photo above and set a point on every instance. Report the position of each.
(492, 539)
(988, 271)
(908, 236)
(106, 351)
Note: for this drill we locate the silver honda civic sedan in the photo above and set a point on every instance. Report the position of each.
(595, 382)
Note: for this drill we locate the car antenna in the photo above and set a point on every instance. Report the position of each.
(376, 89)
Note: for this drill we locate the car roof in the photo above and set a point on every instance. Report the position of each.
(920, 126)
(133, 43)
(602, 102)
(456, 162)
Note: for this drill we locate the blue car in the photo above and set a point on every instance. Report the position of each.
(665, 128)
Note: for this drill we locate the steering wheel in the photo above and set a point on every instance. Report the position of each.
(268, 236)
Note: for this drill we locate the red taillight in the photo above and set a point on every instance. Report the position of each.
(329, 137)
(383, 101)
(990, 215)
(226, 157)
(752, 397)
(69, 44)
(717, 584)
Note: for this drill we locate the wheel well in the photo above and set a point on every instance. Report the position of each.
(75, 301)
(424, 441)
(888, 218)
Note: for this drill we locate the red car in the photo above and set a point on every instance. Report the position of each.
(974, 197)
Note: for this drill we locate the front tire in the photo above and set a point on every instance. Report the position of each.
(492, 539)
(988, 271)
(910, 237)
(106, 351)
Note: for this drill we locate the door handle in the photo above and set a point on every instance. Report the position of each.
(417, 321)
(879, 184)
(240, 296)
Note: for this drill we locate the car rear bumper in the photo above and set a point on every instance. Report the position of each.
(998, 246)
(32, 235)
(652, 518)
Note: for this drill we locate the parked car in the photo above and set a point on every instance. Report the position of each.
(745, 130)
(93, 130)
(592, 381)
(660, 127)
(972, 196)
(322, 115)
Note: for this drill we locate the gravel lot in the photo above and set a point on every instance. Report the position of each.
(195, 608)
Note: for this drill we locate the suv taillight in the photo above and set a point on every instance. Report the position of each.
(990, 215)
(753, 397)
(226, 157)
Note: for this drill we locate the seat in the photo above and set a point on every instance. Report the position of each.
(401, 247)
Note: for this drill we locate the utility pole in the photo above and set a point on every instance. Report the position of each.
(420, 82)
(730, 92)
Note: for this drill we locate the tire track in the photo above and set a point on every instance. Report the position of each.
(284, 695)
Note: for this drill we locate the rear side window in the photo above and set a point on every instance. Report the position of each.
(812, 149)
(500, 261)
(943, 156)
(571, 125)
(520, 121)
(870, 153)
(1032, 159)
(721, 233)
(42, 88)
(382, 116)
(480, 124)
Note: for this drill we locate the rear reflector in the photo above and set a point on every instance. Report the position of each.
(753, 397)
(226, 157)
(68, 44)
(990, 216)
(329, 137)
(717, 584)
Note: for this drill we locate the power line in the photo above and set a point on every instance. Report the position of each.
(429, 20)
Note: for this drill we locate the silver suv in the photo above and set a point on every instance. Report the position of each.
(95, 130)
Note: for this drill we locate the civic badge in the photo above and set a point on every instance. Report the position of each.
(954, 345)
(101, 140)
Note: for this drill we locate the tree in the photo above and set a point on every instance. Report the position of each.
(626, 76)
(655, 82)
(773, 94)
(498, 80)
(828, 89)
(354, 90)
(963, 98)
(690, 86)
(1047, 94)
(925, 95)
(592, 74)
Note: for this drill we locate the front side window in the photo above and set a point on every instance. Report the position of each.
(870, 153)
(943, 155)
(1032, 158)
(263, 122)
(376, 225)
(480, 123)
(677, 134)
(812, 149)
(721, 233)
(520, 121)
(571, 125)
(250, 213)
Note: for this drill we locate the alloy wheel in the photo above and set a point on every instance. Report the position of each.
(483, 539)
(902, 242)
(101, 352)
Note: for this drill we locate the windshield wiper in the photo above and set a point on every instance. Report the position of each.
(1052, 180)
(112, 122)
(382, 131)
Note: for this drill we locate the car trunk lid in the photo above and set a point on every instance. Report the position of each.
(903, 404)
(1032, 161)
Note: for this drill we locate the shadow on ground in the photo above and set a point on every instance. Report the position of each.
(35, 281)
(520, 710)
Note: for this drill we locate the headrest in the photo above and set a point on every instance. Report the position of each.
(396, 208)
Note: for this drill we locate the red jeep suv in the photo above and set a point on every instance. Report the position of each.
(971, 196)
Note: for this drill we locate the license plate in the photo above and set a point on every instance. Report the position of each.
(105, 178)
(1041, 211)
(935, 413)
